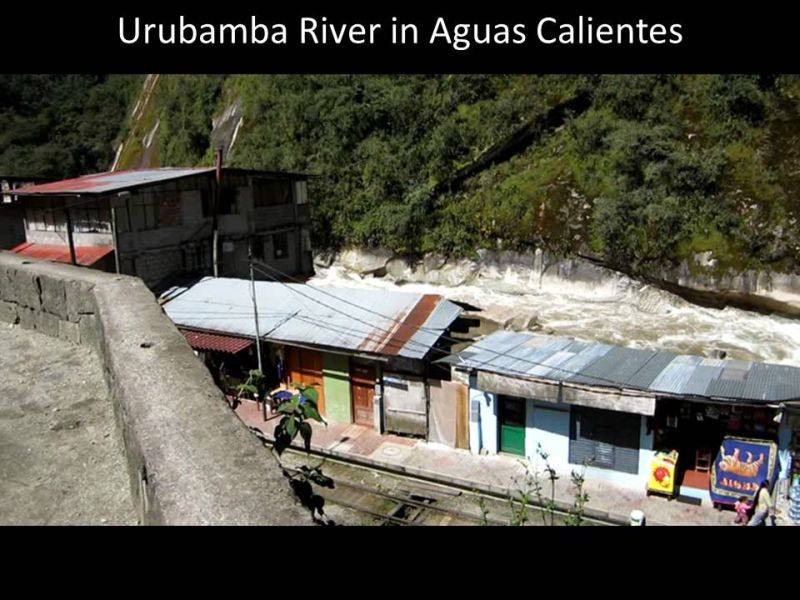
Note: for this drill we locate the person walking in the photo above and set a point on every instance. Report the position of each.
(763, 502)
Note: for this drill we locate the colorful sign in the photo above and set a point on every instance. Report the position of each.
(740, 467)
(662, 473)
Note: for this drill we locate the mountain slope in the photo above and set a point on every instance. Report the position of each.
(641, 172)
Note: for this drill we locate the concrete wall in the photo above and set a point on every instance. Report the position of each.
(336, 381)
(482, 420)
(190, 460)
(547, 426)
(59, 238)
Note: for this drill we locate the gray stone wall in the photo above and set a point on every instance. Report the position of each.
(190, 460)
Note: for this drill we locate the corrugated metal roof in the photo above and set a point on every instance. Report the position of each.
(200, 340)
(601, 365)
(113, 181)
(405, 324)
(84, 255)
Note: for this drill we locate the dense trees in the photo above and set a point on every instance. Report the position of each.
(61, 125)
(652, 170)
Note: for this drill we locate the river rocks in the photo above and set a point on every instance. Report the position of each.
(522, 273)
(434, 269)
(365, 262)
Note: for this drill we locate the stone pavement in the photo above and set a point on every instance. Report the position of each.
(497, 474)
(61, 461)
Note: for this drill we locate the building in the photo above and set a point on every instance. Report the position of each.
(12, 224)
(159, 224)
(370, 353)
(613, 408)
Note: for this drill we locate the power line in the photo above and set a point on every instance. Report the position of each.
(371, 326)
(441, 336)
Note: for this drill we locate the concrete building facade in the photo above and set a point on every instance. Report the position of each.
(160, 224)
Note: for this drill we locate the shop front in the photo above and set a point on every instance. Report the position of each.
(792, 429)
(692, 433)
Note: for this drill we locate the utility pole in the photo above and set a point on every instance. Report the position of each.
(255, 303)
(215, 213)
(70, 240)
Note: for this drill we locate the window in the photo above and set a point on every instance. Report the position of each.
(195, 257)
(91, 219)
(271, 192)
(44, 214)
(301, 189)
(280, 245)
(604, 438)
(227, 201)
(305, 237)
(142, 213)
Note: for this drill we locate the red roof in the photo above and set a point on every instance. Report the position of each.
(113, 181)
(85, 255)
(219, 343)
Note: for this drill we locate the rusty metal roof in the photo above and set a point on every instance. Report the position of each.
(526, 355)
(358, 320)
(117, 181)
(200, 340)
(113, 181)
(85, 255)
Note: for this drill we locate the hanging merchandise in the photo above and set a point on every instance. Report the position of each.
(794, 501)
(740, 466)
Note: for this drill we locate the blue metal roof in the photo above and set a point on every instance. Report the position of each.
(526, 355)
(358, 320)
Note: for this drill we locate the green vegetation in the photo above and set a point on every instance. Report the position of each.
(61, 125)
(651, 171)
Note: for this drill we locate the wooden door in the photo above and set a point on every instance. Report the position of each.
(362, 387)
(305, 367)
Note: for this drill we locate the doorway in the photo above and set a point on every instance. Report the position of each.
(512, 425)
(362, 388)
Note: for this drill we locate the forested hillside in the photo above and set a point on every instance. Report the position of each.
(642, 172)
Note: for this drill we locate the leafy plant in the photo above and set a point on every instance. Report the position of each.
(531, 491)
(297, 411)
(255, 385)
(581, 498)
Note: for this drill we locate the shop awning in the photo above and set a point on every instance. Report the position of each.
(215, 342)
(84, 255)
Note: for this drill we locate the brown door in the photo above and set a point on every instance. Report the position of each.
(305, 367)
(362, 386)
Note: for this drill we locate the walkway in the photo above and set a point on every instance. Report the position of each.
(60, 459)
(495, 473)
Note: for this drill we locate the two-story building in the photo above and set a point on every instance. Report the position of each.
(161, 224)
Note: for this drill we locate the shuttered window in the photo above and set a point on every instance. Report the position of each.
(604, 438)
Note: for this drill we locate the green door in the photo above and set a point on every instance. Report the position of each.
(512, 425)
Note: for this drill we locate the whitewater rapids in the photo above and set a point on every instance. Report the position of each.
(623, 312)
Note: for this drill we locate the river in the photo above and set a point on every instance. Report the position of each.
(621, 311)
